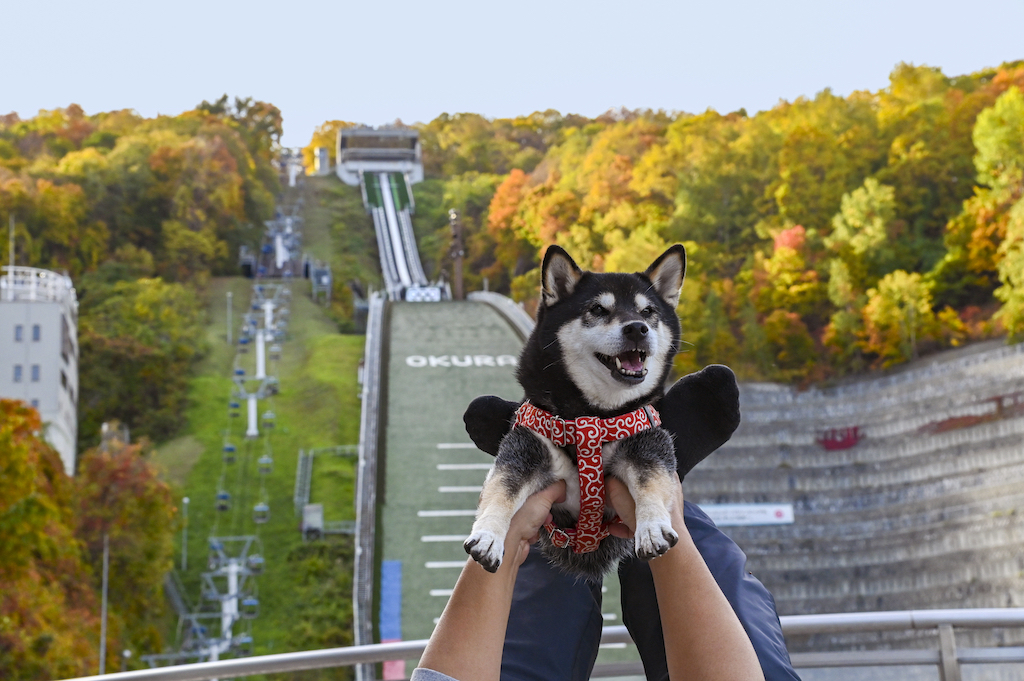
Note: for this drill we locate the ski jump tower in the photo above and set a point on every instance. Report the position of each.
(385, 163)
(379, 150)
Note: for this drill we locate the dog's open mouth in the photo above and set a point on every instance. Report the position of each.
(630, 366)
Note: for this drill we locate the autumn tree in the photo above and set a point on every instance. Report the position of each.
(49, 620)
(120, 496)
(999, 138)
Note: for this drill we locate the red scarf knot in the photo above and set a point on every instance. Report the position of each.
(587, 433)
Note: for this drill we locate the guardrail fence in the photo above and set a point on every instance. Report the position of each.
(947, 658)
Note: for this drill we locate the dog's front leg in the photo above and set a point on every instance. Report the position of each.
(522, 467)
(645, 463)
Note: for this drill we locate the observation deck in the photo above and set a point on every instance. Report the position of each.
(35, 284)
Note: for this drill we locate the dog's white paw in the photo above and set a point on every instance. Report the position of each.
(654, 538)
(487, 548)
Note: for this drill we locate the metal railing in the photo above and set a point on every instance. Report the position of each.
(34, 284)
(948, 658)
(366, 485)
(520, 321)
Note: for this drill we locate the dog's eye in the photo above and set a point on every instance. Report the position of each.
(599, 311)
(647, 311)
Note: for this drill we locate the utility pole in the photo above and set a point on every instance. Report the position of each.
(229, 317)
(184, 531)
(103, 605)
(458, 250)
(10, 258)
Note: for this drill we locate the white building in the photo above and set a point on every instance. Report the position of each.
(39, 351)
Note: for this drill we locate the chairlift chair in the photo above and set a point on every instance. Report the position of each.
(275, 352)
(216, 549)
(229, 453)
(260, 513)
(255, 563)
(242, 645)
(239, 372)
(223, 501)
(250, 608)
(234, 409)
(268, 419)
(266, 464)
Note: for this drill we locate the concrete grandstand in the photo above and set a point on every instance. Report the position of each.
(920, 509)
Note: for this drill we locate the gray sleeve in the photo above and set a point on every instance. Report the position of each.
(424, 674)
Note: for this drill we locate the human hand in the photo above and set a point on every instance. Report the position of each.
(617, 496)
(526, 523)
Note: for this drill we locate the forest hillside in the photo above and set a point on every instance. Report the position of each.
(826, 236)
(140, 212)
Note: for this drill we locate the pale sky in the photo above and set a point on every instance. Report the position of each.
(373, 62)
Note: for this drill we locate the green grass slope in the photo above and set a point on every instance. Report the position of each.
(305, 590)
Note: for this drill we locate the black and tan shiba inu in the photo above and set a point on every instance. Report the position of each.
(602, 347)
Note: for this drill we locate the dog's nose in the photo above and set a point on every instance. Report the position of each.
(634, 330)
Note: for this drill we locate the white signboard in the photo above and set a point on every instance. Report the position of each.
(735, 515)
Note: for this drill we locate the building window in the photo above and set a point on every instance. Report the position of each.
(18, 329)
(66, 349)
(36, 333)
(17, 373)
(35, 404)
(35, 373)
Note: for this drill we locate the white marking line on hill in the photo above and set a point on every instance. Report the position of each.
(609, 616)
(436, 564)
(456, 445)
(448, 513)
(464, 466)
(443, 537)
(441, 592)
(466, 488)
(613, 646)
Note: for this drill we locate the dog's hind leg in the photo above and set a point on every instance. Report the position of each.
(522, 467)
(645, 463)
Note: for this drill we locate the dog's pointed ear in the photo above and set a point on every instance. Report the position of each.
(558, 276)
(667, 272)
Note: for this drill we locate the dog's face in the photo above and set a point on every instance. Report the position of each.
(616, 333)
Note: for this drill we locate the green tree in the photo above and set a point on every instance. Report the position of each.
(897, 317)
(865, 233)
(141, 338)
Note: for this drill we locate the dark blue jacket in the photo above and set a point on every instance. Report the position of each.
(554, 628)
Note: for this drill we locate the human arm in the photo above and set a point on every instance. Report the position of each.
(703, 637)
(468, 639)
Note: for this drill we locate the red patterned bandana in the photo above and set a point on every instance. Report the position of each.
(588, 433)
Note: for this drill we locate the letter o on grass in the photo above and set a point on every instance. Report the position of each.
(416, 361)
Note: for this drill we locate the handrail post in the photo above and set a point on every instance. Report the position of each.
(949, 666)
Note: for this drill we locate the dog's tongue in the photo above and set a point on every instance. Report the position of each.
(631, 361)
